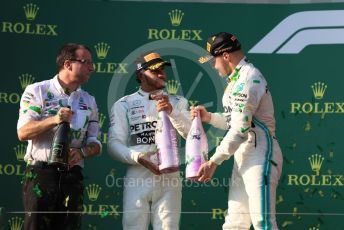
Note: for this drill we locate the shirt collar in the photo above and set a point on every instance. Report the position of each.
(58, 86)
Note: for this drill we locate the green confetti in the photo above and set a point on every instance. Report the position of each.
(75, 134)
(286, 223)
(331, 154)
(112, 172)
(243, 130)
(205, 155)
(66, 201)
(313, 228)
(193, 203)
(52, 111)
(336, 195)
(35, 109)
(279, 199)
(294, 211)
(104, 214)
(50, 95)
(86, 121)
(189, 160)
(28, 176)
(323, 116)
(321, 193)
(307, 127)
(37, 190)
(246, 118)
(60, 103)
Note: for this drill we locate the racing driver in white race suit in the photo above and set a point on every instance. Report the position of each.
(249, 117)
(149, 197)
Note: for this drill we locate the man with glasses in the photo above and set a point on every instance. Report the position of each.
(249, 118)
(53, 193)
(149, 196)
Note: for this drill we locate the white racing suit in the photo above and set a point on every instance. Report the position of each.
(249, 117)
(147, 197)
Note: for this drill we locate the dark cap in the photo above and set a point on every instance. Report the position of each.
(219, 43)
(151, 61)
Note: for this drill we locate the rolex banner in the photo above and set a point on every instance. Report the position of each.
(299, 49)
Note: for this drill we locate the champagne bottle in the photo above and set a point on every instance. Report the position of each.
(166, 141)
(196, 148)
(60, 146)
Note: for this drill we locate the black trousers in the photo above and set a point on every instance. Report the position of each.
(52, 199)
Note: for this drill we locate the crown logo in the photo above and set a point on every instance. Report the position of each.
(316, 161)
(319, 89)
(101, 120)
(172, 87)
(313, 228)
(176, 17)
(16, 223)
(193, 103)
(102, 49)
(20, 151)
(31, 11)
(93, 191)
(25, 80)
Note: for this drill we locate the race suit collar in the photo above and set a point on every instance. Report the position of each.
(147, 95)
(143, 93)
(235, 74)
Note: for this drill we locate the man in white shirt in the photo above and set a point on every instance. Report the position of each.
(50, 191)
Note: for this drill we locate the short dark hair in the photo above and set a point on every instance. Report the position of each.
(138, 75)
(67, 52)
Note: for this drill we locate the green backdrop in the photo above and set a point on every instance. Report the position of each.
(298, 48)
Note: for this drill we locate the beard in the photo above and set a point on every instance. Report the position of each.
(156, 83)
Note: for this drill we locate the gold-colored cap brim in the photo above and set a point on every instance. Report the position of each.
(205, 59)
